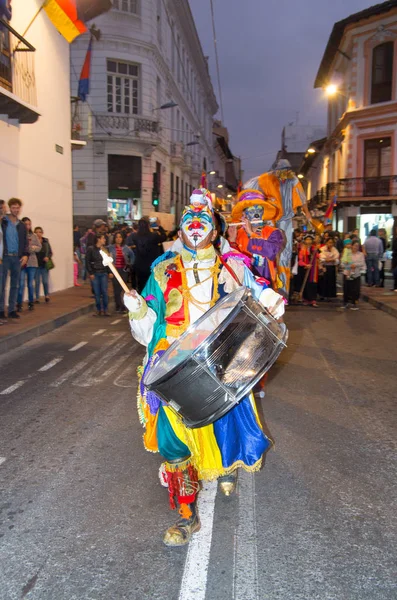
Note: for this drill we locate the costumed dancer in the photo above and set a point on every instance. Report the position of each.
(182, 287)
(256, 238)
(283, 188)
(308, 261)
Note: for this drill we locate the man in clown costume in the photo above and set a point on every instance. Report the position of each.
(257, 238)
(282, 187)
(182, 287)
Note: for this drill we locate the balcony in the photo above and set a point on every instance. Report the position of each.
(368, 188)
(177, 153)
(128, 127)
(18, 99)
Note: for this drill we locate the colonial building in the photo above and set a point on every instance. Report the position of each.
(35, 145)
(148, 117)
(357, 161)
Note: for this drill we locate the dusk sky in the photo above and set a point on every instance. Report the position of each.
(269, 53)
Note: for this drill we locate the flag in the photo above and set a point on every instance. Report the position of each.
(329, 211)
(69, 16)
(203, 181)
(84, 81)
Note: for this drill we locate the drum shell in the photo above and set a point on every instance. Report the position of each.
(220, 372)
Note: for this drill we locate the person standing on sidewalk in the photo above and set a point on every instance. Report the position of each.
(99, 275)
(43, 256)
(29, 271)
(2, 213)
(352, 277)
(374, 253)
(383, 239)
(16, 254)
(123, 259)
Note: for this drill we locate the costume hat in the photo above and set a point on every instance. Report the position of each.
(250, 197)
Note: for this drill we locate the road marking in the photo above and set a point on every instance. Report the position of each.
(99, 332)
(115, 322)
(51, 364)
(2, 459)
(12, 388)
(195, 573)
(96, 374)
(245, 580)
(81, 365)
(77, 346)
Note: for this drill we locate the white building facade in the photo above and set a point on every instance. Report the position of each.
(148, 55)
(35, 145)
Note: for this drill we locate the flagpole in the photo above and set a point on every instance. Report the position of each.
(33, 20)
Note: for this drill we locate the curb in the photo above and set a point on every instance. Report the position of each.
(14, 340)
(380, 305)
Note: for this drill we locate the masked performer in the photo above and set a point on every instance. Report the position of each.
(257, 239)
(182, 287)
(282, 187)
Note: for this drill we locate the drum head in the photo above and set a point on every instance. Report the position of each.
(198, 333)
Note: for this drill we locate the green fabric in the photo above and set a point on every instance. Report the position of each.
(170, 446)
(152, 288)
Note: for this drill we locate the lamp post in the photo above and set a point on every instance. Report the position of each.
(170, 104)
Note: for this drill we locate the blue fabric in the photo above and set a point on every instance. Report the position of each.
(373, 271)
(10, 264)
(12, 237)
(30, 274)
(239, 436)
(170, 446)
(100, 286)
(41, 275)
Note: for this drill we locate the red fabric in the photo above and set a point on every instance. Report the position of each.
(120, 260)
(174, 282)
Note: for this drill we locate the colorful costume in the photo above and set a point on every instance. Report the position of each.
(285, 190)
(182, 287)
(265, 242)
(309, 256)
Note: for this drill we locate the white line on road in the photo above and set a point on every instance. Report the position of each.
(77, 346)
(2, 459)
(194, 578)
(12, 388)
(245, 556)
(99, 332)
(51, 364)
(115, 322)
(96, 374)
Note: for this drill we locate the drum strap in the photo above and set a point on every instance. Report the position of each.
(230, 271)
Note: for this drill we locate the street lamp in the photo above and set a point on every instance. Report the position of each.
(331, 89)
(300, 176)
(211, 172)
(220, 186)
(170, 104)
(311, 150)
(229, 196)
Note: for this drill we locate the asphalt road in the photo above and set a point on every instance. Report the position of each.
(82, 512)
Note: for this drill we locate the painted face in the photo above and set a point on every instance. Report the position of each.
(197, 228)
(254, 213)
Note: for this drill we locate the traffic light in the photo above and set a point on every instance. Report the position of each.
(155, 193)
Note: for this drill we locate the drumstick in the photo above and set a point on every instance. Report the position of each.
(107, 261)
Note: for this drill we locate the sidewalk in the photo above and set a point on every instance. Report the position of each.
(383, 298)
(63, 307)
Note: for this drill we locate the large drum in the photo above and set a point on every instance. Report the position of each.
(217, 361)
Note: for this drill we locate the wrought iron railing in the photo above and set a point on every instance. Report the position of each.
(17, 73)
(124, 125)
(356, 188)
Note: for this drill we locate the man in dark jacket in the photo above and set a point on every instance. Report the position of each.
(15, 255)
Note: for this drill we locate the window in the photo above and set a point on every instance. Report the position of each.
(382, 73)
(130, 6)
(5, 59)
(377, 166)
(158, 91)
(122, 87)
(172, 189)
(159, 36)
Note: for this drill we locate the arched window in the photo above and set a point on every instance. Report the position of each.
(382, 73)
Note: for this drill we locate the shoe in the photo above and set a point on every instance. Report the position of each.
(98, 313)
(354, 307)
(228, 483)
(31, 306)
(37, 301)
(13, 315)
(106, 314)
(181, 533)
(77, 285)
(314, 305)
(345, 306)
(19, 307)
(47, 298)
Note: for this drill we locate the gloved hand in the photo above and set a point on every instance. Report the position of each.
(132, 301)
(273, 301)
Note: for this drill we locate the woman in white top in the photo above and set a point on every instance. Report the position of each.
(352, 283)
(329, 259)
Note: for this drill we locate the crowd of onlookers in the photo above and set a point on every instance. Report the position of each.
(25, 258)
(318, 258)
(133, 250)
